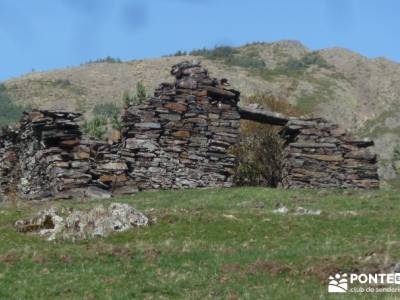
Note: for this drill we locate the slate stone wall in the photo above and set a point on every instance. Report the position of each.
(321, 155)
(180, 138)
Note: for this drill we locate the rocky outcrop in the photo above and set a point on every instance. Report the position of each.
(70, 224)
(318, 154)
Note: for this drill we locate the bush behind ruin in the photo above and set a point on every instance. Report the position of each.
(260, 149)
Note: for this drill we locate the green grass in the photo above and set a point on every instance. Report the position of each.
(207, 244)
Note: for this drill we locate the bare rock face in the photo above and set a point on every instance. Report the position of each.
(69, 224)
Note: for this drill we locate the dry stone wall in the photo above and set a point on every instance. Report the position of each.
(9, 174)
(321, 155)
(180, 138)
(177, 139)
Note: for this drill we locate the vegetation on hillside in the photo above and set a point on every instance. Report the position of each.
(107, 115)
(231, 56)
(9, 111)
(96, 127)
(139, 97)
(293, 67)
(107, 59)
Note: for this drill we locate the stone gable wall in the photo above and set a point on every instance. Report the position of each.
(180, 138)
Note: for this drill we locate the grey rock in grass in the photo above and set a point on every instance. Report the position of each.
(281, 210)
(70, 224)
(303, 211)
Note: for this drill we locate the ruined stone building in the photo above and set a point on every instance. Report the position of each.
(180, 138)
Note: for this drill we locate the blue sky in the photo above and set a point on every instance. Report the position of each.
(47, 34)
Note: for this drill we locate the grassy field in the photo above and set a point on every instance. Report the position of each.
(209, 244)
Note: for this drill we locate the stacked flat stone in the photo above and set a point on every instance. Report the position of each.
(51, 159)
(180, 137)
(108, 170)
(8, 161)
(320, 155)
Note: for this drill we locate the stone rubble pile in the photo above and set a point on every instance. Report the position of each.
(181, 136)
(70, 224)
(321, 155)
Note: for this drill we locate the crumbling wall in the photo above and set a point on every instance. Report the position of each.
(9, 172)
(319, 154)
(51, 157)
(181, 136)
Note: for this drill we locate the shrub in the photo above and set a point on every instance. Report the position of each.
(9, 112)
(180, 53)
(260, 148)
(107, 59)
(231, 56)
(127, 98)
(110, 112)
(259, 154)
(295, 67)
(139, 97)
(217, 52)
(96, 127)
(141, 94)
(106, 109)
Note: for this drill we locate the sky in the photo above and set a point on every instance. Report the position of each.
(42, 35)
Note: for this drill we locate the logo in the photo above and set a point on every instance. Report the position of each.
(338, 283)
(364, 283)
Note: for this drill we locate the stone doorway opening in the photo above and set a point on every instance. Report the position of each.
(260, 150)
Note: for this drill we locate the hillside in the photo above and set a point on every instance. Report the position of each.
(360, 94)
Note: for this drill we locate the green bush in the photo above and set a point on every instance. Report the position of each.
(110, 112)
(9, 112)
(231, 56)
(139, 97)
(127, 98)
(106, 109)
(107, 59)
(180, 53)
(295, 67)
(96, 127)
(260, 147)
(217, 52)
(141, 94)
(259, 155)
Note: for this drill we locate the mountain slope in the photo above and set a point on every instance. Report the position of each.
(360, 94)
